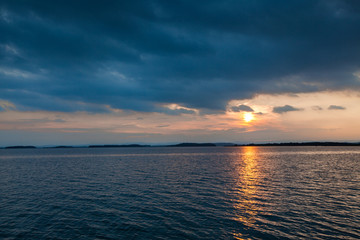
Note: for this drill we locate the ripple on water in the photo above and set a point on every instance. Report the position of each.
(180, 193)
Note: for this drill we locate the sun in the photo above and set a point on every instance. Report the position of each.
(248, 117)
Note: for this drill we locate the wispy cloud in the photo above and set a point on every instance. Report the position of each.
(6, 105)
(17, 73)
(175, 109)
(316, 108)
(336, 107)
(285, 108)
(242, 108)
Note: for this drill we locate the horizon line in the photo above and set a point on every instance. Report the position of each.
(192, 144)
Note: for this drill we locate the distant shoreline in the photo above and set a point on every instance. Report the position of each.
(193, 145)
(301, 144)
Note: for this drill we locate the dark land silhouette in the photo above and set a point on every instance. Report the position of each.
(118, 146)
(197, 145)
(193, 145)
(17, 147)
(301, 144)
(62, 147)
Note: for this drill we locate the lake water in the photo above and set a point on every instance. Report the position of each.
(180, 193)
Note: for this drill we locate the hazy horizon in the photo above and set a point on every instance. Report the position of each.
(164, 144)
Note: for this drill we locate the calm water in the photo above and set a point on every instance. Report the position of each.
(181, 193)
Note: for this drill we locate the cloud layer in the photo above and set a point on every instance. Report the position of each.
(139, 55)
(181, 124)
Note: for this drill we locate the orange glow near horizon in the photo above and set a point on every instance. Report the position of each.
(248, 117)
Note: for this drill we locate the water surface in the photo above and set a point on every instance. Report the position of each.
(180, 193)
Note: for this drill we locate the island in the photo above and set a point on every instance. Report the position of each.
(19, 147)
(118, 146)
(193, 145)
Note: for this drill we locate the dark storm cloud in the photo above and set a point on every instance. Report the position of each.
(61, 55)
(243, 108)
(335, 107)
(286, 108)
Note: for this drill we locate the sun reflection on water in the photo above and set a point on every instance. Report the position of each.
(248, 177)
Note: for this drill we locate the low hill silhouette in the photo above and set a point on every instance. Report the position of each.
(118, 146)
(193, 145)
(17, 147)
(302, 144)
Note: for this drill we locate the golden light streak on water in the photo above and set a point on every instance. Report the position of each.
(247, 188)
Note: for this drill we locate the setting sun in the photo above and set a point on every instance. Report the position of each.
(248, 117)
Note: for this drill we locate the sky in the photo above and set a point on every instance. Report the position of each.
(113, 72)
